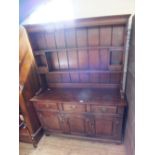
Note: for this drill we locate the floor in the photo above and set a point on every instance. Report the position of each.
(53, 145)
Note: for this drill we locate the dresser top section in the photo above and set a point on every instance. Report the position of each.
(81, 96)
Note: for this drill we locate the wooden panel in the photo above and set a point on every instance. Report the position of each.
(116, 57)
(65, 77)
(70, 38)
(40, 40)
(94, 47)
(60, 38)
(73, 59)
(115, 78)
(103, 126)
(62, 55)
(81, 37)
(83, 59)
(104, 59)
(94, 77)
(105, 36)
(50, 120)
(50, 40)
(52, 60)
(93, 36)
(74, 77)
(94, 59)
(76, 124)
(103, 109)
(84, 77)
(40, 60)
(118, 36)
(28, 80)
(46, 106)
(74, 108)
(104, 77)
(53, 78)
(33, 41)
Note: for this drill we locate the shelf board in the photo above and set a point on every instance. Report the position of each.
(40, 52)
(83, 71)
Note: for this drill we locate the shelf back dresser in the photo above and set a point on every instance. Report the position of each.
(80, 66)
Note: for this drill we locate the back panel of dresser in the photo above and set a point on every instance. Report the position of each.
(82, 53)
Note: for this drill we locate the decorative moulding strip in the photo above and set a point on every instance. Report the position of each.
(82, 85)
(83, 71)
(37, 52)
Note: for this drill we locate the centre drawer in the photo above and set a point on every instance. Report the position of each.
(103, 109)
(74, 107)
(46, 106)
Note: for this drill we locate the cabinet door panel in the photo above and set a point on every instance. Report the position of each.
(50, 121)
(103, 127)
(108, 127)
(76, 124)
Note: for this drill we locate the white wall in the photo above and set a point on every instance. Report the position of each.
(94, 8)
(59, 10)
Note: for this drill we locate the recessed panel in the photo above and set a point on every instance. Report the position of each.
(94, 77)
(60, 38)
(52, 60)
(73, 59)
(81, 35)
(74, 77)
(65, 77)
(53, 78)
(83, 59)
(116, 57)
(84, 77)
(62, 55)
(94, 60)
(70, 38)
(93, 36)
(104, 59)
(50, 40)
(118, 36)
(105, 36)
(40, 60)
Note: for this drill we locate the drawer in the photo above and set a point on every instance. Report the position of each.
(46, 106)
(103, 109)
(74, 108)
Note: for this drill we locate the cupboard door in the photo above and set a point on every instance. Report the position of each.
(50, 121)
(76, 124)
(108, 127)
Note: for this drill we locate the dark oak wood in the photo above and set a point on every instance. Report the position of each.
(83, 112)
(87, 45)
(29, 85)
(80, 64)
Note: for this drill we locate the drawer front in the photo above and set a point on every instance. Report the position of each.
(103, 109)
(46, 106)
(74, 108)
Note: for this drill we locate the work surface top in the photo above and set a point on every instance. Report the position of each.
(104, 96)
